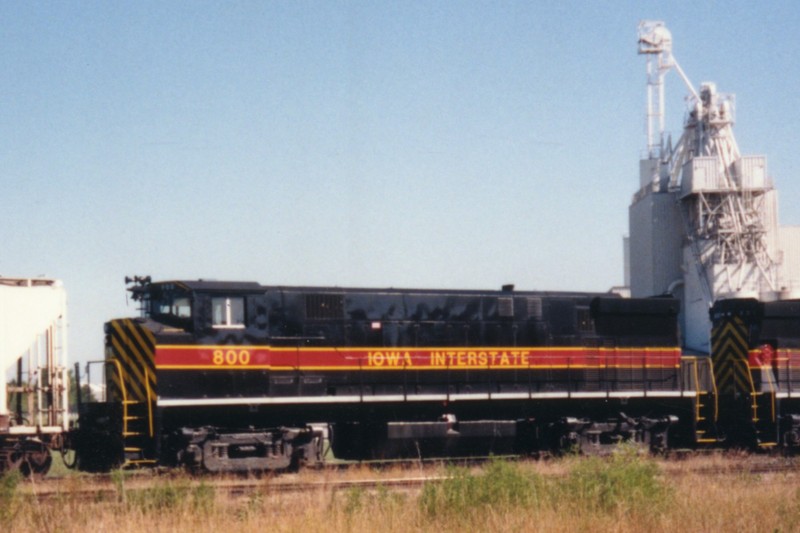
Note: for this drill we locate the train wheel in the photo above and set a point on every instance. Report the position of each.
(11, 458)
(36, 459)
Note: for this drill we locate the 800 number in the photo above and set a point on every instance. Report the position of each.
(232, 357)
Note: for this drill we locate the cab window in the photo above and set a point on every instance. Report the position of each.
(227, 312)
(171, 303)
(181, 308)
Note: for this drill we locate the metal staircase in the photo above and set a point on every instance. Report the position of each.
(701, 376)
(137, 433)
(706, 416)
(137, 423)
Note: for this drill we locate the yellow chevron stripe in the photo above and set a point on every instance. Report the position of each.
(734, 328)
(742, 382)
(132, 385)
(730, 344)
(725, 374)
(148, 343)
(729, 354)
(134, 378)
(133, 350)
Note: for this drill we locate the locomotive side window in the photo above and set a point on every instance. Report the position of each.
(585, 322)
(171, 304)
(181, 308)
(227, 312)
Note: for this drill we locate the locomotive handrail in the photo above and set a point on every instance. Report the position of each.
(788, 370)
(710, 364)
(299, 338)
(692, 362)
(123, 394)
(123, 391)
(755, 394)
(771, 381)
(149, 401)
(696, 377)
(105, 362)
(696, 372)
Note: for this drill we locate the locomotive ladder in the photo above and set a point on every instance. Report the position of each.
(706, 406)
(762, 406)
(137, 425)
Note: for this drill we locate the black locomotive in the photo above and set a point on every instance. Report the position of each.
(228, 376)
(756, 356)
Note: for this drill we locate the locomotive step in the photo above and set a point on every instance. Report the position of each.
(140, 462)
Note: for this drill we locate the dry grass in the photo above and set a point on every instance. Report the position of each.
(625, 493)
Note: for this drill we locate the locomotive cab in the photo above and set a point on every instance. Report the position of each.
(204, 308)
(125, 428)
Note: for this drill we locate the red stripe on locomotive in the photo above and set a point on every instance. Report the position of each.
(425, 358)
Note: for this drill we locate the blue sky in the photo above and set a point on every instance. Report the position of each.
(426, 144)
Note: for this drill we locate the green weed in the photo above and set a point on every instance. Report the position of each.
(626, 481)
(9, 497)
(380, 499)
(501, 486)
(171, 495)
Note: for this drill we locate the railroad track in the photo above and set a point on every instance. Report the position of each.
(113, 487)
(747, 466)
(111, 491)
